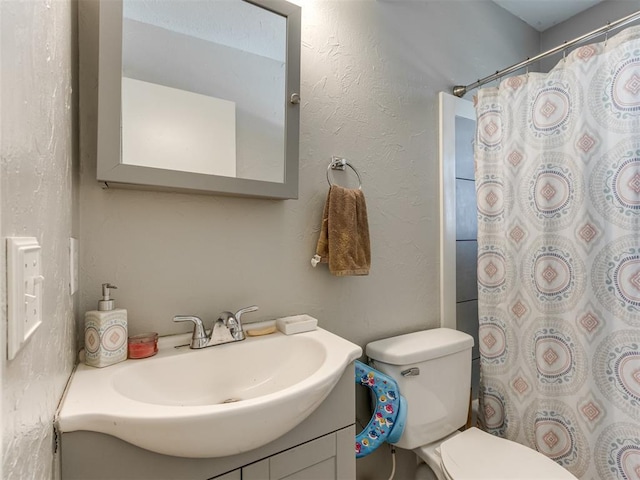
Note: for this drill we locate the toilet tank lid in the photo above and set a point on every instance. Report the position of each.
(419, 346)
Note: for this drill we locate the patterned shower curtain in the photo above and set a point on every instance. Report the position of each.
(558, 190)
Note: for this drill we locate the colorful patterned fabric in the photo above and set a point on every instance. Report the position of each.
(390, 411)
(558, 189)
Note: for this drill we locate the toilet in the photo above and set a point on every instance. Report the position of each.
(433, 371)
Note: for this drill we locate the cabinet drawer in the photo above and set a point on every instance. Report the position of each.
(330, 457)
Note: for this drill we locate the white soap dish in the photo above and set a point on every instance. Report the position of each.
(296, 324)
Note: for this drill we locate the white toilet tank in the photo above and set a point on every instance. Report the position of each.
(433, 371)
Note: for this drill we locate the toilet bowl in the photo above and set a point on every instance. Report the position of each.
(433, 372)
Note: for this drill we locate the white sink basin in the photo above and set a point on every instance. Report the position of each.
(213, 402)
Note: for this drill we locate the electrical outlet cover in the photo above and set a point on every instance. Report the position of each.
(24, 291)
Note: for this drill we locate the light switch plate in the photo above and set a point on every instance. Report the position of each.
(24, 291)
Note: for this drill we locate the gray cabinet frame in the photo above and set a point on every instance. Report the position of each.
(112, 172)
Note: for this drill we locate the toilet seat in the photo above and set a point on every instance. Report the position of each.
(390, 412)
(476, 455)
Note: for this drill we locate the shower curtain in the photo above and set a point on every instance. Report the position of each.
(558, 191)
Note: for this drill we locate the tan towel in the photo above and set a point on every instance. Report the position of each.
(344, 235)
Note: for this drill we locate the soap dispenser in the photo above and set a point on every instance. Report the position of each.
(105, 332)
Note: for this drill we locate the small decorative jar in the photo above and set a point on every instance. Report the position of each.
(143, 345)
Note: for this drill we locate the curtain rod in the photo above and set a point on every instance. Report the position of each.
(460, 90)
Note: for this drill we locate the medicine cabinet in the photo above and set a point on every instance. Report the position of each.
(199, 96)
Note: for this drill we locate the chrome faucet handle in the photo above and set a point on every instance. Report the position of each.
(199, 339)
(239, 333)
(232, 324)
(242, 311)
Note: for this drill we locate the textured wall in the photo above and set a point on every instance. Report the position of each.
(370, 74)
(37, 151)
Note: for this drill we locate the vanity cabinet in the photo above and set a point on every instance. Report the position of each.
(329, 457)
(322, 446)
(235, 475)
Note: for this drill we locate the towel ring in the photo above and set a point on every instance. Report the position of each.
(339, 163)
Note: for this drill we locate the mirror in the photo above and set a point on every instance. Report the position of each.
(200, 95)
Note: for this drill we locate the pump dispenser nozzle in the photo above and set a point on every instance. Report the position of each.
(107, 303)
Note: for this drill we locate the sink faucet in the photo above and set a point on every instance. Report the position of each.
(227, 328)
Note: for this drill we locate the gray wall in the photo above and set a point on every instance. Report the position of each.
(585, 22)
(38, 198)
(370, 74)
